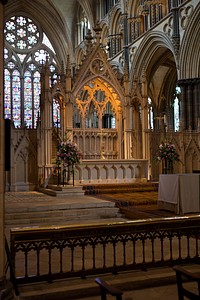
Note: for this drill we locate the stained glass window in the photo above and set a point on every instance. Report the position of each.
(28, 99)
(16, 96)
(7, 94)
(36, 93)
(21, 33)
(26, 49)
(56, 113)
(150, 114)
(177, 109)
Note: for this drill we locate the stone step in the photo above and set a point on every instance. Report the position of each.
(59, 191)
(60, 206)
(61, 216)
(120, 188)
(40, 209)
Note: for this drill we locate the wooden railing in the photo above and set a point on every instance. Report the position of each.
(69, 251)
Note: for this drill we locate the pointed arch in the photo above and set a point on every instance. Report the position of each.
(190, 55)
(40, 12)
(146, 54)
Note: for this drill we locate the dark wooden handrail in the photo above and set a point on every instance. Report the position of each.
(48, 253)
(107, 288)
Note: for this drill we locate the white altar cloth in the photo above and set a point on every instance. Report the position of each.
(179, 192)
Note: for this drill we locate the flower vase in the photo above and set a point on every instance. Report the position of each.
(167, 167)
(70, 174)
(63, 175)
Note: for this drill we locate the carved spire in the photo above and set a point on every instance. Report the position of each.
(97, 29)
(88, 41)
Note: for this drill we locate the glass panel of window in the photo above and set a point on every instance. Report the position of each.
(56, 113)
(150, 114)
(7, 94)
(108, 119)
(27, 48)
(28, 100)
(16, 96)
(177, 110)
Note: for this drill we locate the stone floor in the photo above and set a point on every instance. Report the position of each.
(154, 284)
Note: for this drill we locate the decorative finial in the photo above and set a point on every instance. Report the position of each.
(88, 41)
(97, 29)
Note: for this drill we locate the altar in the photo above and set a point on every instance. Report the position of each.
(179, 192)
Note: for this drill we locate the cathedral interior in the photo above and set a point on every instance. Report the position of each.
(117, 78)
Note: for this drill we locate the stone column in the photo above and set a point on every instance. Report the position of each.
(6, 291)
(183, 106)
(120, 135)
(144, 128)
(196, 91)
(190, 108)
(45, 139)
(2, 137)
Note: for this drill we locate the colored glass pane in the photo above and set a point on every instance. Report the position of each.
(22, 106)
(56, 113)
(41, 56)
(36, 88)
(7, 95)
(16, 91)
(21, 33)
(176, 110)
(28, 99)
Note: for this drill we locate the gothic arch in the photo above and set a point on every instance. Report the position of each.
(102, 80)
(104, 34)
(133, 9)
(147, 53)
(115, 19)
(58, 90)
(154, 61)
(192, 154)
(190, 47)
(87, 7)
(98, 84)
(42, 13)
(79, 55)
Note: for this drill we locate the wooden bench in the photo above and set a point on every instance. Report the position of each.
(107, 288)
(182, 274)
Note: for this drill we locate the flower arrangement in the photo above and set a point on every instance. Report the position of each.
(167, 152)
(68, 153)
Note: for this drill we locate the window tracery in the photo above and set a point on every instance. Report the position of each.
(95, 104)
(26, 49)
